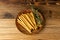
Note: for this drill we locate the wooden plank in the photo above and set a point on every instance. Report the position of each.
(49, 23)
(44, 31)
(53, 22)
(12, 10)
(23, 36)
(10, 27)
(7, 21)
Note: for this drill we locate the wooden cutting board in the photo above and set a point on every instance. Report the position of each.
(9, 31)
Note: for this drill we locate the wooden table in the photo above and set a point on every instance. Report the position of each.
(9, 31)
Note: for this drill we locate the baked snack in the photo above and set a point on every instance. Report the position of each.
(29, 22)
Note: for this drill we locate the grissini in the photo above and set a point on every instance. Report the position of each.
(28, 19)
(23, 25)
(26, 22)
(31, 16)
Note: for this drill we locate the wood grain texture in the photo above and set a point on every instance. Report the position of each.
(9, 31)
(8, 10)
(11, 10)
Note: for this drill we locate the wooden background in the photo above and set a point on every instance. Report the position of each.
(8, 30)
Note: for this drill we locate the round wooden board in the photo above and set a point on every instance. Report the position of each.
(20, 28)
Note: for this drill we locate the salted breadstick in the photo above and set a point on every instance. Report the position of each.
(23, 25)
(26, 22)
(28, 19)
(31, 16)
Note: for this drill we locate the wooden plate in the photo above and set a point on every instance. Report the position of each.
(22, 29)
